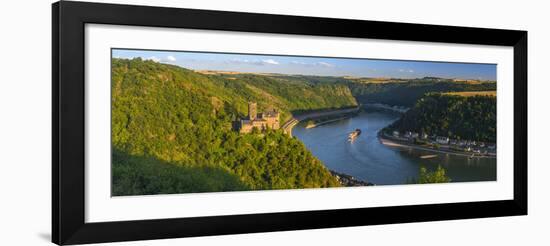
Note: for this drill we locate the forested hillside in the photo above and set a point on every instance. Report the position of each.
(407, 93)
(170, 117)
(455, 116)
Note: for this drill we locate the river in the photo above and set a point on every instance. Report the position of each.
(369, 160)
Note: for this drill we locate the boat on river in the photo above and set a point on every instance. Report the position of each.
(353, 135)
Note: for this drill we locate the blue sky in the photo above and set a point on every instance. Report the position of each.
(314, 65)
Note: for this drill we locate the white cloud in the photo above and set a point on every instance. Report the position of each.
(321, 64)
(156, 59)
(233, 61)
(270, 62)
(153, 58)
(299, 63)
(324, 64)
(170, 59)
(406, 71)
(254, 62)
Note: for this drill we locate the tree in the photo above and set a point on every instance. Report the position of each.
(437, 176)
(457, 117)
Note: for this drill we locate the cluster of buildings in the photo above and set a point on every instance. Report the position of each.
(261, 121)
(462, 145)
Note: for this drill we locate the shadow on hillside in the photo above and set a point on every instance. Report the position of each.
(307, 111)
(138, 175)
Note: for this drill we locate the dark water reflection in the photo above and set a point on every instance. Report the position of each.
(367, 159)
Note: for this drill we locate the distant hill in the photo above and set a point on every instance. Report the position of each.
(407, 93)
(167, 115)
(455, 116)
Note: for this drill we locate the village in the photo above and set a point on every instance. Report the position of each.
(442, 143)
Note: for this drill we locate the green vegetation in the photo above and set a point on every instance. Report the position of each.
(407, 93)
(459, 117)
(437, 176)
(172, 130)
(138, 175)
(429, 177)
(289, 94)
(305, 92)
(473, 93)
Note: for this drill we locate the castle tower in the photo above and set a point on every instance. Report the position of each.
(252, 110)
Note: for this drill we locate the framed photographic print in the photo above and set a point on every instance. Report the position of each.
(176, 122)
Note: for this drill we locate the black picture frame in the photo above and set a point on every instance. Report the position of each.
(68, 122)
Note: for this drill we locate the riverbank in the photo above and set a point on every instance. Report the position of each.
(388, 141)
(397, 109)
(348, 180)
(287, 126)
(324, 122)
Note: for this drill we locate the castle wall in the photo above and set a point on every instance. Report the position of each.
(261, 121)
(252, 111)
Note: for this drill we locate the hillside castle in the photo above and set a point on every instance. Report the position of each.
(262, 121)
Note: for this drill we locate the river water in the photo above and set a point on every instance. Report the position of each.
(369, 160)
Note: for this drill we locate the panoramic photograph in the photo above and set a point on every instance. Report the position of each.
(193, 122)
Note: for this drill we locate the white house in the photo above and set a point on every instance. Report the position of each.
(442, 140)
